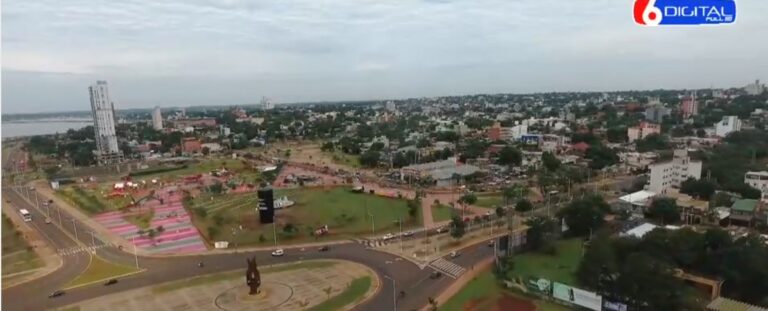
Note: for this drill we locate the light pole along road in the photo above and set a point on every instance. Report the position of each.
(164, 269)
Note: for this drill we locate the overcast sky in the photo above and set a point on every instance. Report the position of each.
(230, 52)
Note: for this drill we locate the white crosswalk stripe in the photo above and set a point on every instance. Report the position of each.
(372, 243)
(448, 267)
(78, 249)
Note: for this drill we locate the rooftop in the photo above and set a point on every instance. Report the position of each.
(725, 304)
(638, 197)
(447, 173)
(744, 205)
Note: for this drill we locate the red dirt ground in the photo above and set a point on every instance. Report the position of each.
(503, 303)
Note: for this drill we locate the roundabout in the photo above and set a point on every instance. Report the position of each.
(307, 285)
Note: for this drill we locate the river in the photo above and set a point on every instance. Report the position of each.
(41, 127)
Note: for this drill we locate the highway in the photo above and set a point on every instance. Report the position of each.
(33, 295)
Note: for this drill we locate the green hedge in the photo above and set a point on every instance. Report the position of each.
(156, 171)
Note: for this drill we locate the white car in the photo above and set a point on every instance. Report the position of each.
(454, 254)
(388, 236)
(407, 233)
(278, 253)
(441, 230)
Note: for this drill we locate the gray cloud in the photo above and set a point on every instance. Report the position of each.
(234, 52)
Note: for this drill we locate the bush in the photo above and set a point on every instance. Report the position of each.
(262, 239)
(201, 212)
(213, 232)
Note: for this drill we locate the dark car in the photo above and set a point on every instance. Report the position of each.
(111, 282)
(435, 275)
(56, 293)
(324, 249)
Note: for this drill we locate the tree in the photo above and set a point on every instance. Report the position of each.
(413, 206)
(701, 189)
(584, 215)
(523, 205)
(469, 198)
(651, 143)
(664, 210)
(510, 156)
(500, 212)
(539, 229)
(457, 227)
(327, 146)
(616, 134)
(370, 158)
(701, 133)
(206, 150)
(216, 188)
(601, 156)
(551, 162)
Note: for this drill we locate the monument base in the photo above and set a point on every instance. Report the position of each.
(271, 296)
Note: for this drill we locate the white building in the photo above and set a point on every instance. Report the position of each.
(727, 125)
(224, 130)
(759, 181)
(671, 174)
(754, 88)
(390, 105)
(157, 119)
(103, 111)
(642, 131)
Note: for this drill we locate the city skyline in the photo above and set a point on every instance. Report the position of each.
(233, 53)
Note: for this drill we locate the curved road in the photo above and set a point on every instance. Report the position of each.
(61, 234)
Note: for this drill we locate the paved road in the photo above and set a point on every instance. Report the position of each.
(416, 282)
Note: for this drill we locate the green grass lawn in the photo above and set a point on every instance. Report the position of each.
(442, 212)
(100, 270)
(489, 200)
(483, 291)
(341, 158)
(560, 267)
(17, 255)
(345, 213)
(354, 292)
(87, 200)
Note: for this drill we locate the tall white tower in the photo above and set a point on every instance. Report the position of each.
(157, 119)
(103, 111)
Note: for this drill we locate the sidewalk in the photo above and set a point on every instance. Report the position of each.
(51, 261)
(457, 285)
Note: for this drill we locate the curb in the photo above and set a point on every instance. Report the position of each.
(370, 293)
(104, 279)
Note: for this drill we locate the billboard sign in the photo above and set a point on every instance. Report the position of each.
(614, 306)
(577, 296)
(539, 286)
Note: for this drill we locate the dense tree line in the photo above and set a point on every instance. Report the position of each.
(640, 272)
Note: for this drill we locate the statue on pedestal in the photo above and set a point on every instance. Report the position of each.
(252, 276)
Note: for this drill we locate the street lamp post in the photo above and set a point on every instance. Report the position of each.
(274, 233)
(401, 234)
(135, 256)
(74, 227)
(59, 210)
(394, 296)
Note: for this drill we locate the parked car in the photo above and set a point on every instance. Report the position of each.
(324, 249)
(435, 275)
(454, 254)
(56, 293)
(388, 236)
(408, 233)
(442, 229)
(278, 252)
(47, 221)
(110, 282)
